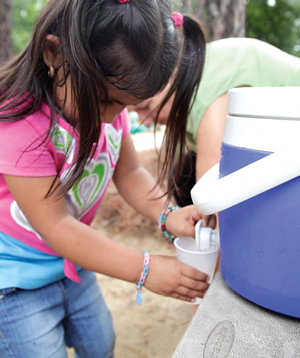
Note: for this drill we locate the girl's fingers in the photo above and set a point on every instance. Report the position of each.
(183, 298)
(186, 294)
(188, 289)
(193, 274)
(210, 221)
(177, 279)
(193, 286)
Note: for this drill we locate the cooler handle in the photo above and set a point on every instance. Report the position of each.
(211, 195)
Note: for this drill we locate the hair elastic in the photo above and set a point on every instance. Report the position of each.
(122, 1)
(177, 18)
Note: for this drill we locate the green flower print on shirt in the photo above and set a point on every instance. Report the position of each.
(89, 184)
(64, 143)
(114, 141)
(83, 196)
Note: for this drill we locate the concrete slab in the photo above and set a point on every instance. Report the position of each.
(228, 326)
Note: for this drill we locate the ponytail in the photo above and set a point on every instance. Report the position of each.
(184, 88)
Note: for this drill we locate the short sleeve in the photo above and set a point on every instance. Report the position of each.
(24, 151)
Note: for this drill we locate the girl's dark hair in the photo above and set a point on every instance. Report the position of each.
(184, 88)
(133, 46)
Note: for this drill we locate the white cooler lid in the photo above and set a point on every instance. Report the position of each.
(267, 102)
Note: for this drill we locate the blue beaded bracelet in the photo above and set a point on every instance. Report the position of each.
(162, 223)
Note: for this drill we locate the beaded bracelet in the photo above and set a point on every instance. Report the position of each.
(144, 274)
(162, 223)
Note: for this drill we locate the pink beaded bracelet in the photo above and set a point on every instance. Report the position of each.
(144, 274)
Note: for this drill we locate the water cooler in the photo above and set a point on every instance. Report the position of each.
(255, 189)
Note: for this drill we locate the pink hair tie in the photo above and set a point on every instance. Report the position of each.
(177, 18)
(122, 1)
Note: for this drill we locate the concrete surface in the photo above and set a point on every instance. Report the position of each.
(228, 326)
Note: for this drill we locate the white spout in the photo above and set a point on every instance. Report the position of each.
(206, 237)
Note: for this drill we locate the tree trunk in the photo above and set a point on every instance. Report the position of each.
(222, 18)
(5, 30)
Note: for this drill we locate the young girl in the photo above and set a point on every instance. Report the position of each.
(64, 135)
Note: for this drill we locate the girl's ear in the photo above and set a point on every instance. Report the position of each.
(51, 51)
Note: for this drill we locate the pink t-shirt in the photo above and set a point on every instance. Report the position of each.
(25, 150)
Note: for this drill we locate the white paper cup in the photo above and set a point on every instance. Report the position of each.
(204, 261)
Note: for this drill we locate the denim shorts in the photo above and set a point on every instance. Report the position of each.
(41, 323)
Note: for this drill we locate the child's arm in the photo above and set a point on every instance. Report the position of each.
(69, 237)
(90, 249)
(136, 184)
(210, 136)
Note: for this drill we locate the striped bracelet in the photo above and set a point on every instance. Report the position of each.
(144, 274)
(162, 223)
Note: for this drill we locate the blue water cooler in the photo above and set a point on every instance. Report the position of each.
(256, 191)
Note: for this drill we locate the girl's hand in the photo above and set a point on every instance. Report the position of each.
(182, 222)
(210, 220)
(169, 277)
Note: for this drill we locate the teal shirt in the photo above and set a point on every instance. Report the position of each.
(236, 62)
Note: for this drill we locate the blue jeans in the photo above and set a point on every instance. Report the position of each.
(41, 323)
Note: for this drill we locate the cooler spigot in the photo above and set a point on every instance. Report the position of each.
(206, 237)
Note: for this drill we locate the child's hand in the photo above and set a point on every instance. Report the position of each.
(169, 277)
(210, 220)
(182, 222)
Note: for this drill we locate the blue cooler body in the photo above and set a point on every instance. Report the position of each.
(260, 240)
(260, 236)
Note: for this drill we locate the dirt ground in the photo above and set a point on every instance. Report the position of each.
(155, 328)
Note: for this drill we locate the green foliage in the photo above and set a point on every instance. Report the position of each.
(24, 14)
(276, 22)
(186, 6)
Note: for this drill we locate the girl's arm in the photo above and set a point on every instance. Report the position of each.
(210, 136)
(136, 185)
(67, 236)
(91, 250)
